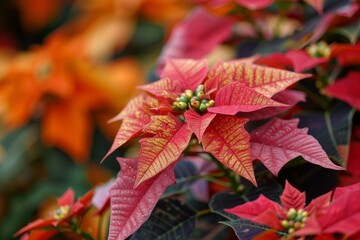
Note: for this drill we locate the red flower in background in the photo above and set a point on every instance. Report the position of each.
(336, 213)
(68, 208)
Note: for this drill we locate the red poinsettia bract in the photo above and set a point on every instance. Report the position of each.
(337, 213)
(67, 208)
(192, 99)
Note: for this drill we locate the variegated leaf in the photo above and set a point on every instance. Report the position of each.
(171, 138)
(131, 207)
(279, 141)
(189, 73)
(264, 80)
(198, 123)
(289, 97)
(133, 104)
(237, 97)
(165, 87)
(227, 140)
(132, 125)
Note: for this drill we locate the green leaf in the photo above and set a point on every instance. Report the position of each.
(332, 130)
(169, 220)
(223, 200)
(184, 170)
(19, 149)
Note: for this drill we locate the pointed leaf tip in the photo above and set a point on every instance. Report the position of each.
(265, 80)
(132, 207)
(279, 141)
(292, 197)
(171, 138)
(198, 123)
(227, 140)
(237, 97)
(188, 73)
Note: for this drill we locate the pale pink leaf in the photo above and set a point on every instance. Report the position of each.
(254, 4)
(131, 207)
(101, 198)
(279, 141)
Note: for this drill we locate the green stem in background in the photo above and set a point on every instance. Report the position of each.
(75, 227)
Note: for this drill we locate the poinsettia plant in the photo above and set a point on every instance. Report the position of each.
(256, 142)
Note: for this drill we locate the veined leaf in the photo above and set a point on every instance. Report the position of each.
(165, 87)
(198, 123)
(227, 140)
(279, 141)
(237, 97)
(184, 170)
(131, 207)
(171, 138)
(292, 197)
(264, 80)
(131, 126)
(132, 106)
(189, 73)
(169, 220)
(289, 97)
(332, 130)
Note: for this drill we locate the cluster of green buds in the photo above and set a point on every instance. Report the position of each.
(320, 49)
(193, 100)
(295, 220)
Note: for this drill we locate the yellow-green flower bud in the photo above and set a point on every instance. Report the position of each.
(188, 93)
(285, 224)
(202, 107)
(195, 103)
(183, 105)
(183, 98)
(210, 104)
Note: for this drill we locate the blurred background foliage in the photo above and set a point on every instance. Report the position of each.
(66, 68)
